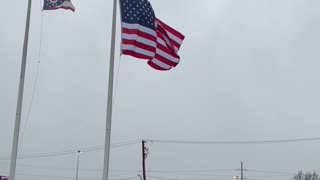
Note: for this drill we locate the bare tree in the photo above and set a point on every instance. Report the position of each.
(306, 176)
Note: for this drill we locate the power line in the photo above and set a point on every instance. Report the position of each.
(69, 177)
(266, 176)
(67, 152)
(223, 175)
(271, 172)
(215, 178)
(169, 178)
(197, 174)
(279, 141)
(89, 149)
(186, 172)
(201, 173)
(48, 176)
(124, 172)
(55, 168)
(189, 171)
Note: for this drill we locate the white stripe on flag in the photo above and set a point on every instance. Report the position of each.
(175, 38)
(139, 39)
(66, 4)
(137, 50)
(161, 64)
(139, 27)
(162, 42)
(167, 56)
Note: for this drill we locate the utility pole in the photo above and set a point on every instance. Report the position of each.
(144, 156)
(241, 170)
(78, 157)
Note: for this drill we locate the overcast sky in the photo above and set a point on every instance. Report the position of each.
(249, 71)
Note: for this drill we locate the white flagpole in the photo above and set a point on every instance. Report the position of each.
(15, 142)
(110, 94)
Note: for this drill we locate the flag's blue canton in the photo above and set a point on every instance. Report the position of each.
(51, 4)
(138, 12)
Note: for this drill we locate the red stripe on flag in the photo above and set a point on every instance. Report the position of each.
(139, 45)
(154, 66)
(165, 60)
(139, 33)
(171, 30)
(164, 49)
(136, 55)
(170, 42)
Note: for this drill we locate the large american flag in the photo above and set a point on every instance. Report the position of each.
(4, 178)
(146, 37)
(56, 4)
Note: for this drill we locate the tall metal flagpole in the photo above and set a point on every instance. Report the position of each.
(110, 94)
(15, 142)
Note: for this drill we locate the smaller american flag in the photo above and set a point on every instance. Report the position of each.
(4, 178)
(57, 4)
(144, 36)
